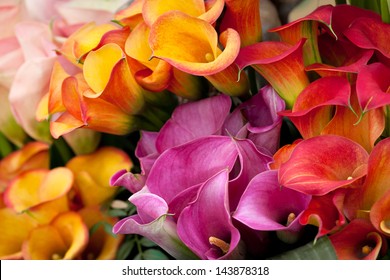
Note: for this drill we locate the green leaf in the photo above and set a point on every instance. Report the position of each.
(125, 249)
(117, 213)
(5, 146)
(320, 250)
(154, 254)
(147, 243)
(106, 226)
(139, 256)
(60, 153)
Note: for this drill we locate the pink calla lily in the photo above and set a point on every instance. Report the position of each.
(267, 207)
(339, 163)
(210, 234)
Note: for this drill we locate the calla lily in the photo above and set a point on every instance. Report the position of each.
(198, 53)
(257, 119)
(363, 32)
(194, 120)
(372, 86)
(64, 238)
(154, 222)
(209, 12)
(14, 229)
(156, 74)
(312, 111)
(131, 15)
(205, 225)
(280, 64)
(358, 240)
(201, 155)
(339, 163)
(244, 17)
(326, 212)
(101, 244)
(307, 27)
(92, 173)
(364, 129)
(31, 156)
(267, 207)
(40, 192)
(371, 200)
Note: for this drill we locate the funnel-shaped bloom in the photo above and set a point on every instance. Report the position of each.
(14, 229)
(64, 238)
(131, 15)
(371, 201)
(267, 207)
(101, 244)
(280, 64)
(339, 163)
(244, 17)
(197, 53)
(40, 192)
(370, 33)
(92, 173)
(31, 156)
(207, 11)
(358, 240)
(257, 119)
(312, 110)
(373, 86)
(156, 74)
(154, 222)
(325, 212)
(205, 225)
(307, 27)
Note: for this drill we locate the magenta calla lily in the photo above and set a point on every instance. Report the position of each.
(154, 222)
(267, 207)
(339, 163)
(205, 225)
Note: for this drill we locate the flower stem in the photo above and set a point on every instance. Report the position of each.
(5, 146)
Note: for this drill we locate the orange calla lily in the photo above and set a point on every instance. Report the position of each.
(209, 11)
(156, 74)
(280, 64)
(92, 174)
(64, 238)
(102, 245)
(132, 15)
(198, 52)
(32, 155)
(41, 192)
(244, 17)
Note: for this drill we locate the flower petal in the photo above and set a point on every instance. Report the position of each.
(319, 171)
(209, 217)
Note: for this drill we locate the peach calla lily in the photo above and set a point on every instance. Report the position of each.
(64, 238)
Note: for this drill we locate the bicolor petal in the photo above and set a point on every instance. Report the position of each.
(339, 163)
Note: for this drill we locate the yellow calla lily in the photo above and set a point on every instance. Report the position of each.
(93, 172)
(64, 238)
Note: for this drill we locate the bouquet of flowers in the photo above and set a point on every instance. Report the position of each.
(159, 129)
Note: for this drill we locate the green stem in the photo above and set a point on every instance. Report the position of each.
(5, 146)
(340, 2)
(252, 80)
(63, 151)
(385, 12)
